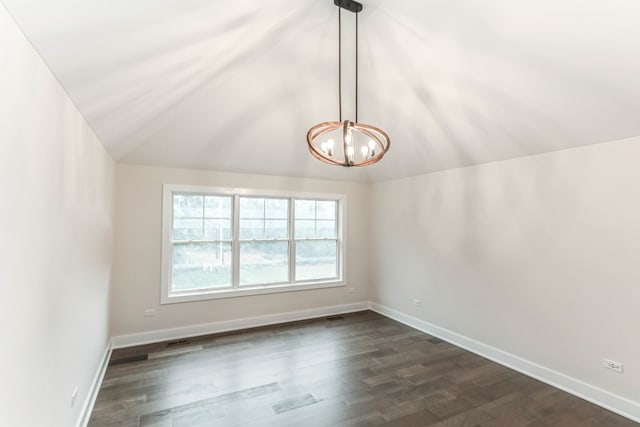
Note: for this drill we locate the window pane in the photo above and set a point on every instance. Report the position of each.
(264, 262)
(251, 229)
(189, 213)
(326, 209)
(200, 266)
(316, 259)
(251, 207)
(320, 229)
(217, 207)
(217, 229)
(277, 208)
(316, 219)
(305, 228)
(326, 228)
(187, 229)
(262, 218)
(305, 209)
(276, 229)
(259, 229)
(187, 206)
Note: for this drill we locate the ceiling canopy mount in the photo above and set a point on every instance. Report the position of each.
(350, 5)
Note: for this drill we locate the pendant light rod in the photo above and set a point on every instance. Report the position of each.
(340, 61)
(355, 7)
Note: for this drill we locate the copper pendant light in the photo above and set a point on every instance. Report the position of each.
(358, 144)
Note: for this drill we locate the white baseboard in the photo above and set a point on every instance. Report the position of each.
(598, 396)
(232, 325)
(90, 401)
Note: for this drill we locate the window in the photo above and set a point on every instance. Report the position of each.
(264, 241)
(220, 243)
(316, 229)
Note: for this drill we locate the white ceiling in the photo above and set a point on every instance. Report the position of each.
(234, 85)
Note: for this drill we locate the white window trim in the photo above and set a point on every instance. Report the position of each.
(167, 224)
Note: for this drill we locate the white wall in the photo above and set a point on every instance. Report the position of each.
(56, 195)
(537, 256)
(136, 274)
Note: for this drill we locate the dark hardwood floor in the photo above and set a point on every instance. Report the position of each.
(360, 369)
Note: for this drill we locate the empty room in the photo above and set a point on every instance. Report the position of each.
(320, 213)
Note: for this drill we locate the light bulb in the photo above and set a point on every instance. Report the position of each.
(365, 150)
(350, 151)
(347, 138)
(372, 144)
(323, 147)
(330, 145)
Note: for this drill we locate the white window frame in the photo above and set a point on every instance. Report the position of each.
(168, 297)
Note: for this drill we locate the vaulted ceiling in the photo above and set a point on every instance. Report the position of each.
(234, 85)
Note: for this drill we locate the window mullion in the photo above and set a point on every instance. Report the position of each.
(203, 210)
(235, 245)
(315, 217)
(264, 216)
(292, 241)
(340, 238)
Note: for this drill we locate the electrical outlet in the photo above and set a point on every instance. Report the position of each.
(150, 312)
(74, 395)
(351, 290)
(613, 365)
(417, 302)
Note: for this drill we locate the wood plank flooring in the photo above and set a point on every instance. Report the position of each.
(360, 369)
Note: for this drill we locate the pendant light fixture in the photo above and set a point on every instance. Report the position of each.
(343, 142)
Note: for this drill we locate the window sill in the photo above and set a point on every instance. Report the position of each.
(254, 290)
